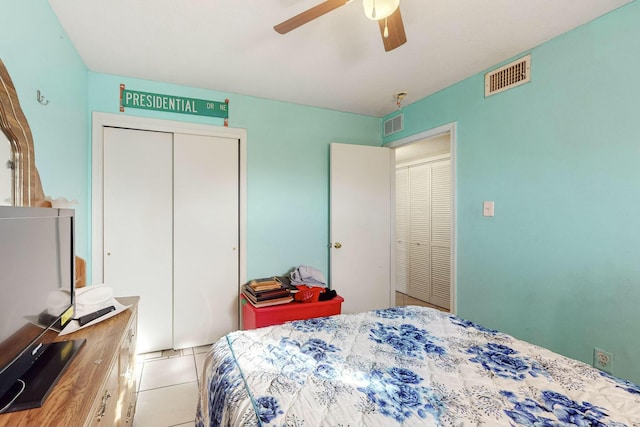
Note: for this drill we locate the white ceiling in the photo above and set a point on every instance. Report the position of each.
(335, 62)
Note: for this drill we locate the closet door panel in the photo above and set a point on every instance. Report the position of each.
(419, 272)
(441, 233)
(138, 227)
(441, 204)
(206, 260)
(402, 229)
(419, 285)
(440, 277)
(419, 196)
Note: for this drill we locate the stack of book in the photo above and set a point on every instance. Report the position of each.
(266, 292)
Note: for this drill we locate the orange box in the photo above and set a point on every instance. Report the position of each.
(253, 317)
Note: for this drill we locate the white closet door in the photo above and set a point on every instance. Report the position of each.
(441, 233)
(138, 227)
(205, 238)
(419, 285)
(402, 229)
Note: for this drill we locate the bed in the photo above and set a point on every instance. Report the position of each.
(403, 366)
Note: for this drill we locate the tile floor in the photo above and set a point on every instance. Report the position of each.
(168, 382)
(168, 387)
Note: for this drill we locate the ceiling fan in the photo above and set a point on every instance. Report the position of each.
(386, 12)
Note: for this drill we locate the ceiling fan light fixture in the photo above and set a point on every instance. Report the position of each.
(379, 9)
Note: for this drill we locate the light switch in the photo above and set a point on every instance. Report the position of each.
(488, 208)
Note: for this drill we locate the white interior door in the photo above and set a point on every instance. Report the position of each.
(205, 238)
(360, 201)
(137, 206)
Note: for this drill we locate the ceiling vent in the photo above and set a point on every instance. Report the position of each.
(511, 75)
(393, 125)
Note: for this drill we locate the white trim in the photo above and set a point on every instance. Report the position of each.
(431, 133)
(100, 120)
(449, 128)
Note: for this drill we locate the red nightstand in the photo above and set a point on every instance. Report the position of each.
(253, 317)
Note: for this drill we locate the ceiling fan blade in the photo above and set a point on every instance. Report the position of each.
(309, 15)
(397, 36)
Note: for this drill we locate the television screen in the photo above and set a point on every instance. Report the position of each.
(36, 284)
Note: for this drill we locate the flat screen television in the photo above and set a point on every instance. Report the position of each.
(37, 275)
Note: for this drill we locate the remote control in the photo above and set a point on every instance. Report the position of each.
(83, 320)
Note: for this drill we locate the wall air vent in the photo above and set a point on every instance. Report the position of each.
(393, 125)
(511, 75)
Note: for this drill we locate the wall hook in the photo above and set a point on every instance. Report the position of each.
(41, 99)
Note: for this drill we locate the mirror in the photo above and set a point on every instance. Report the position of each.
(21, 184)
(6, 171)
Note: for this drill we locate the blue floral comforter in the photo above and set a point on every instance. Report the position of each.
(408, 366)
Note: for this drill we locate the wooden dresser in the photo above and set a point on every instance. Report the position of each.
(99, 386)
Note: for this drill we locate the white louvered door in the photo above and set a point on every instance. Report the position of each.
(402, 229)
(419, 230)
(440, 243)
(423, 231)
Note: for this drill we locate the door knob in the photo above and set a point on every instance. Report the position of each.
(337, 245)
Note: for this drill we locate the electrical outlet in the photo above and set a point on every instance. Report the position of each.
(603, 360)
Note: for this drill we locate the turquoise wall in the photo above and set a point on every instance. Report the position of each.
(287, 166)
(38, 56)
(559, 264)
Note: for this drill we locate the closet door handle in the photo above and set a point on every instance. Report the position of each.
(337, 245)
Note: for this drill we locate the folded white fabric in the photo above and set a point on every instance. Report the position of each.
(88, 300)
(93, 298)
(306, 275)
